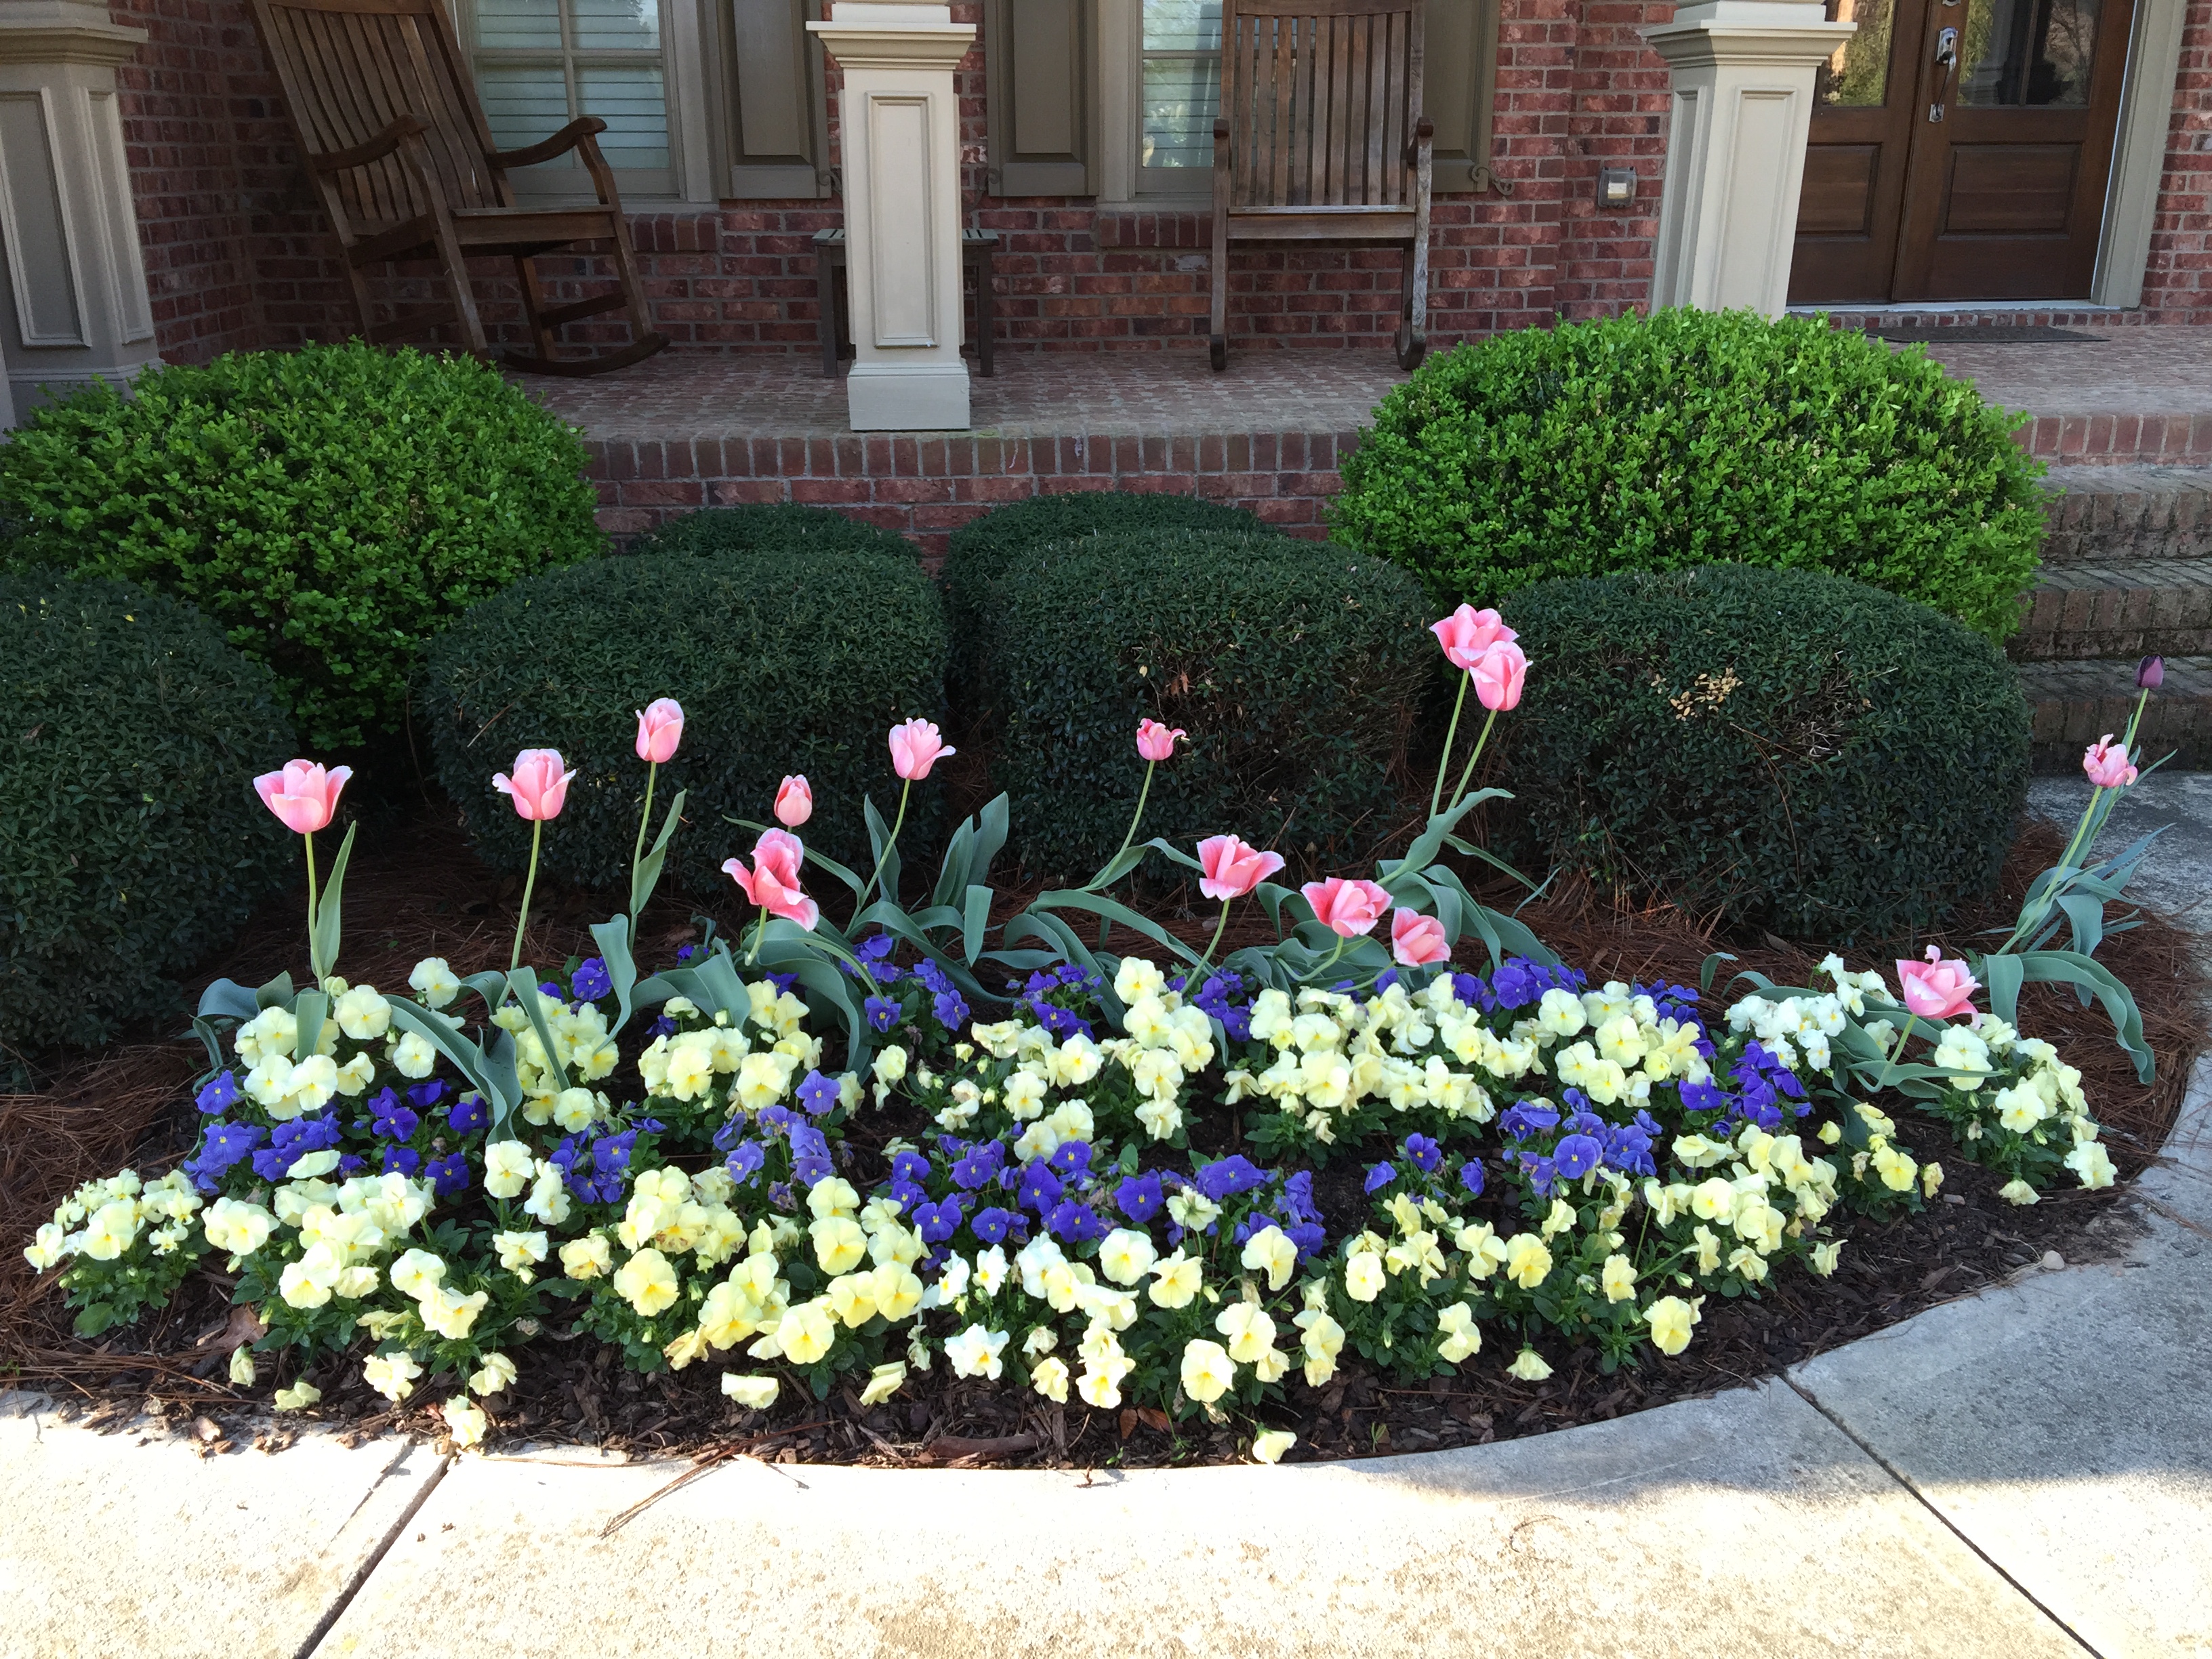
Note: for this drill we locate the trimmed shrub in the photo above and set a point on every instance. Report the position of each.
(331, 509)
(1298, 668)
(1692, 437)
(983, 547)
(1795, 751)
(130, 738)
(799, 660)
(769, 527)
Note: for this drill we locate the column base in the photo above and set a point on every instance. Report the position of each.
(907, 397)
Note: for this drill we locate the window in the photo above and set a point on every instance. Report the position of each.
(1179, 93)
(540, 63)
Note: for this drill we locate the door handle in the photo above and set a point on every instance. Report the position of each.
(1947, 56)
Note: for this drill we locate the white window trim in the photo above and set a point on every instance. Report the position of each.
(687, 76)
(1121, 121)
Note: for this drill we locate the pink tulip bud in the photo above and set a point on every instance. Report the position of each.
(772, 882)
(660, 729)
(916, 747)
(1232, 868)
(1348, 908)
(1499, 675)
(303, 795)
(794, 803)
(1417, 940)
(538, 787)
(1937, 989)
(1156, 742)
(1467, 633)
(2106, 764)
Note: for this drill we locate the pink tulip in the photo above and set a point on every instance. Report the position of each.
(1499, 675)
(538, 787)
(660, 729)
(1348, 908)
(916, 747)
(2107, 765)
(1937, 989)
(772, 882)
(303, 795)
(1467, 633)
(1156, 742)
(794, 803)
(1233, 869)
(1417, 940)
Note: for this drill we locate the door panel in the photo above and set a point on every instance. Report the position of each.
(1959, 150)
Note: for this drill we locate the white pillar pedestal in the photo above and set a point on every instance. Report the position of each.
(1742, 77)
(899, 128)
(73, 303)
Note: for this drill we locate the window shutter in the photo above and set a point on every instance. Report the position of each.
(1459, 92)
(779, 128)
(1038, 71)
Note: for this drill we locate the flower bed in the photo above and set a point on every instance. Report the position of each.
(816, 1157)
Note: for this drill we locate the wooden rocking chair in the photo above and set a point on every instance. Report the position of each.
(385, 116)
(1322, 138)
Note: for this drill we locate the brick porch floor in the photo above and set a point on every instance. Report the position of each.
(689, 429)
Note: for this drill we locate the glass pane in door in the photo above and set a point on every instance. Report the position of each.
(2028, 53)
(1858, 75)
(1182, 25)
(519, 24)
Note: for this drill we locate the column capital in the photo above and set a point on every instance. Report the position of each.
(1750, 32)
(65, 32)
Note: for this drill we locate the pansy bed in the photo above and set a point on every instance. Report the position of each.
(866, 1159)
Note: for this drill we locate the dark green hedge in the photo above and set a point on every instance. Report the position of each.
(131, 843)
(1299, 670)
(1797, 753)
(770, 528)
(799, 660)
(1692, 437)
(981, 548)
(331, 509)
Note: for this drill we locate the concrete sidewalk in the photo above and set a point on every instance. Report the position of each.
(2025, 1472)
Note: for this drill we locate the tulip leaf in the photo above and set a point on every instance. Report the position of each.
(979, 918)
(612, 937)
(1054, 931)
(308, 1014)
(490, 1072)
(646, 875)
(227, 999)
(324, 943)
(1113, 910)
(523, 982)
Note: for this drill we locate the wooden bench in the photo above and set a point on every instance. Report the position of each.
(1320, 139)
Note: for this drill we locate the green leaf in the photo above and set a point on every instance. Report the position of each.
(491, 1071)
(523, 982)
(978, 919)
(647, 876)
(612, 937)
(327, 908)
(1113, 910)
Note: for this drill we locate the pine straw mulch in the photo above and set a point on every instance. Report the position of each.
(416, 890)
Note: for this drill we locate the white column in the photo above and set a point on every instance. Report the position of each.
(1742, 77)
(73, 304)
(899, 132)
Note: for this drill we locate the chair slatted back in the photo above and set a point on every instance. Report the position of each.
(1321, 97)
(349, 69)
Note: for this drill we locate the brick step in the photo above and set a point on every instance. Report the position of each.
(2136, 513)
(2119, 610)
(2077, 703)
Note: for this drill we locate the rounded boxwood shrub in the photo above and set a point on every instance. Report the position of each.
(1794, 751)
(331, 509)
(130, 738)
(1692, 437)
(1299, 670)
(769, 527)
(799, 660)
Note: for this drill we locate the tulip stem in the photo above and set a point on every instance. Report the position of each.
(898, 823)
(529, 885)
(1451, 732)
(637, 854)
(314, 949)
(760, 932)
(1489, 721)
(1220, 927)
(1143, 794)
(1889, 1060)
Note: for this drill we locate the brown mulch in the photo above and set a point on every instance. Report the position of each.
(416, 890)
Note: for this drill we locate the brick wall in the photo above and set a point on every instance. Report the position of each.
(239, 254)
(2177, 282)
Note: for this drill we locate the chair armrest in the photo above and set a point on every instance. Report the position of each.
(1220, 139)
(1424, 134)
(369, 150)
(583, 127)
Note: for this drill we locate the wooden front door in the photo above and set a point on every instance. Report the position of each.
(1960, 151)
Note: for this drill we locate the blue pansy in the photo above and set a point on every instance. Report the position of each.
(883, 1013)
(1425, 1152)
(1379, 1176)
(468, 1114)
(219, 1094)
(1576, 1155)
(744, 1162)
(1470, 1176)
(1138, 1197)
(591, 980)
(1040, 1188)
(1225, 1177)
(818, 1094)
(992, 1225)
(448, 1174)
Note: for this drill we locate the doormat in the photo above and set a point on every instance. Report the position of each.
(1982, 334)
